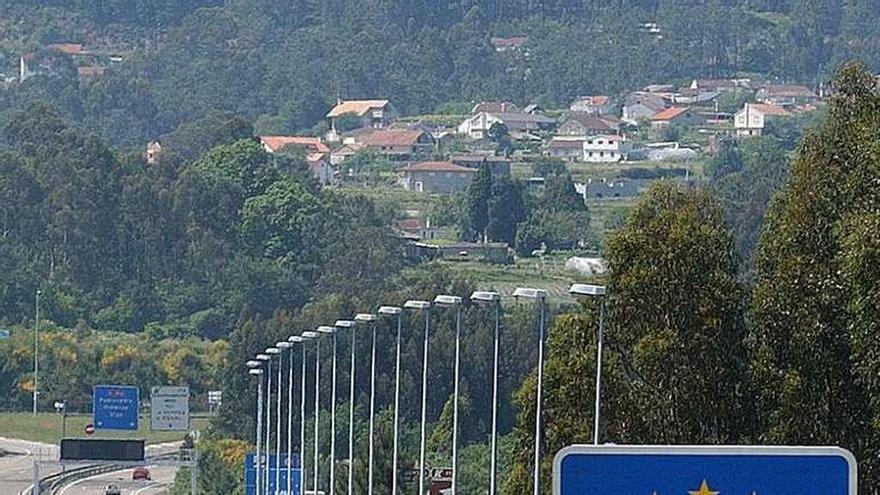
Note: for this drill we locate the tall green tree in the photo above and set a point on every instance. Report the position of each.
(479, 193)
(812, 359)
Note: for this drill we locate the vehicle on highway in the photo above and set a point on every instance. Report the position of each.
(140, 473)
(112, 490)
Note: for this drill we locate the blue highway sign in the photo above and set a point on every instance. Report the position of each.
(250, 474)
(115, 407)
(703, 470)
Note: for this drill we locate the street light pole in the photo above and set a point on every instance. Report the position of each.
(281, 346)
(294, 339)
(540, 297)
(36, 347)
(271, 351)
(450, 301)
(317, 410)
(306, 336)
(394, 310)
(326, 330)
(350, 325)
(256, 371)
(495, 299)
(582, 291)
(425, 306)
(371, 320)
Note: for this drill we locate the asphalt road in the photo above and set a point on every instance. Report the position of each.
(163, 477)
(17, 463)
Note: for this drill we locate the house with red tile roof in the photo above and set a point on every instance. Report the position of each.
(786, 95)
(513, 43)
(372, 113)
(437, 177)
(601, 105)
(753, 117)
(676, 116)
(310, 144)
(396, 143)
(584, 124)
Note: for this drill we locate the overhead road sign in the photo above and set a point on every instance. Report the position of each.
(704, 470)
(169, 409)
(115, 407)
(82, 449)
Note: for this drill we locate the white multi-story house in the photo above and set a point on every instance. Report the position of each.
(753, 117)
(605, 149)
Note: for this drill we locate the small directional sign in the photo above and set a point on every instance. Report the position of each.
(169, 409)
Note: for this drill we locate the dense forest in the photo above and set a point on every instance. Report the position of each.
(282, 64)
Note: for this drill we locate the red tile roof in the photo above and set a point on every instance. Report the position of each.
(68, 48)
(391, 137)
(494, 107)
(276, 143)
(513, 41)
(438, 167)
(669, 114)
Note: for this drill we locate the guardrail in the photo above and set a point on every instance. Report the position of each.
(53, 483)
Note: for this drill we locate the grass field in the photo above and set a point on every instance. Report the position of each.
(46, 428)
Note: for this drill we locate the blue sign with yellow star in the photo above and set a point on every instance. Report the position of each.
(703, 470)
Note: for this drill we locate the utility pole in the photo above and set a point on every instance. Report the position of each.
(36, 348)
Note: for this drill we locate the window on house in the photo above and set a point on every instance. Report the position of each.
(591, 153)
(601, 154)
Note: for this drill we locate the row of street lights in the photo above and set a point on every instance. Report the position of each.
(261, 367)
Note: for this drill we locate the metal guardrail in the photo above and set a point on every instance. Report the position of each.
(53, 483)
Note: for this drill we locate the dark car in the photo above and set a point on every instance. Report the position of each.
(112, 490)
(140, 473)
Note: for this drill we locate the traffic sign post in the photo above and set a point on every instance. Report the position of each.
(704, 470)
(169, 409)
(115, 407)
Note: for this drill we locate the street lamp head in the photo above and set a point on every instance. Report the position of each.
(445, 300)
(255, 371)
(365, 317)
(295, 339)
(482, 296)
(272, 350)
(344, 324)
(253, 364)
(326, 330)
(415, 304)
(283, 344)
(390, 310)
(309, 335)
(264, 357)
(530, 293)
(585, 290)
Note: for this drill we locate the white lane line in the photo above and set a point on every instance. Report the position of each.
(141, 490)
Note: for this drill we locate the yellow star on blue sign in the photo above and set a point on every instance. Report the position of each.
(704, 490)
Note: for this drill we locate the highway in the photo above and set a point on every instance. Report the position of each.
(163, 477)
(17, 463)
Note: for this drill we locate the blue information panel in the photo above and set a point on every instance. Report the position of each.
(115, 407)
(662, 470)
(250, 474)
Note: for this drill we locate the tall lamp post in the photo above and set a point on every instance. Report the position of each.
(271, 352)
(283, 346)
(350, 325)
(493, 299)
(36, 347)
(582, 292)
(293, 340)
(307, 336)
(450, 302)
(540, 298)
(425, 308)
(254, 370)
(327, 330)
(264, 479)
(395, 311)
(370, 319)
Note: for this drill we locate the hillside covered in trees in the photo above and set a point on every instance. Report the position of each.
(282, 64)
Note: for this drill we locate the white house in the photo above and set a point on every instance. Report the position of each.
(477, 126)
(752, 118)
(605, 149)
